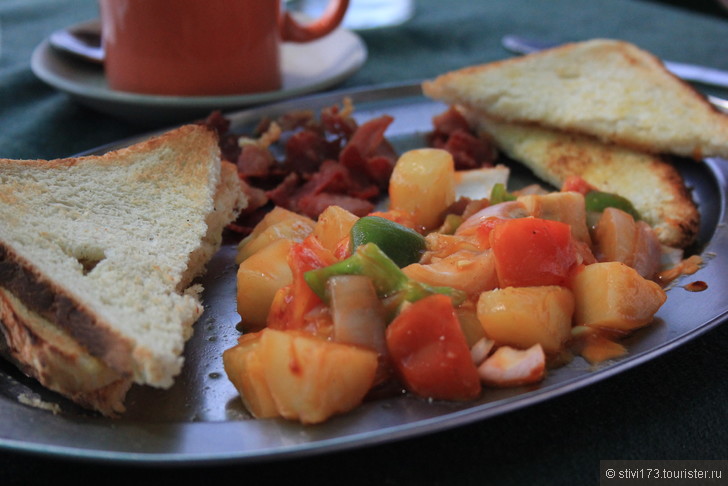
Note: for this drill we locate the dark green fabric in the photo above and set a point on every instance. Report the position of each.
(674, 407)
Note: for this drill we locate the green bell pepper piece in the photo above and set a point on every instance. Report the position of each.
(389, 281)
(451, 224)
(499, 194)
(403, 245)
(598, 201)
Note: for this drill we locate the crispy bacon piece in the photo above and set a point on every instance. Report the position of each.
(332, 184)
(449, 121)
(368, 154)
(315, 204)
(283, 194)
(452, 132)
(305, 151)
(254, 161)
(228, 142)
(337, 122)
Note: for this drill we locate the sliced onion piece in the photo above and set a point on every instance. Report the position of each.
(358, 315)
(481, 349)
(504, 210)
(513, 367)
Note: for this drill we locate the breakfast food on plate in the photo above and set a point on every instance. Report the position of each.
(97, 260)
(609, 89)
(602, 110)
(440, 299)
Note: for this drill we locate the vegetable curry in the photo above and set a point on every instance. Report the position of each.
(440, 302)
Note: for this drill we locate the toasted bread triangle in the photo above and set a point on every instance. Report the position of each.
(103, 246)
(609, 89)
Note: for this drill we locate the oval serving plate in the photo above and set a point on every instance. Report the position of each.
(201, 418)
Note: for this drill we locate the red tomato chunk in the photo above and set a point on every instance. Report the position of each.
(532, 252)
(429, 352)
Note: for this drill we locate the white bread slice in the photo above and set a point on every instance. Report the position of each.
(653, 185)
(104, 247)
(608, 89)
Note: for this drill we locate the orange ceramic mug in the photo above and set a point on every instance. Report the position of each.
(202, 47)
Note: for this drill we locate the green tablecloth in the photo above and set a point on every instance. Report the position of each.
(674, 407)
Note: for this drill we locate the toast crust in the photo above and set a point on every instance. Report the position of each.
(230, 200)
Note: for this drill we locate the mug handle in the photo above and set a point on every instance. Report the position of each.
(293, 31)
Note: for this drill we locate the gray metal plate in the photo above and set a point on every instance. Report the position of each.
(201, 419)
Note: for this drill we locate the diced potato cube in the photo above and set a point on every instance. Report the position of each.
(333, 225)
(275, 216)
(469, 323)
(524, 316)
(244, 369)
(312, 379)
(258, 279)
(614, 296)
(423, 184)
(513, 367)
(567, 207)
(278, 224)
